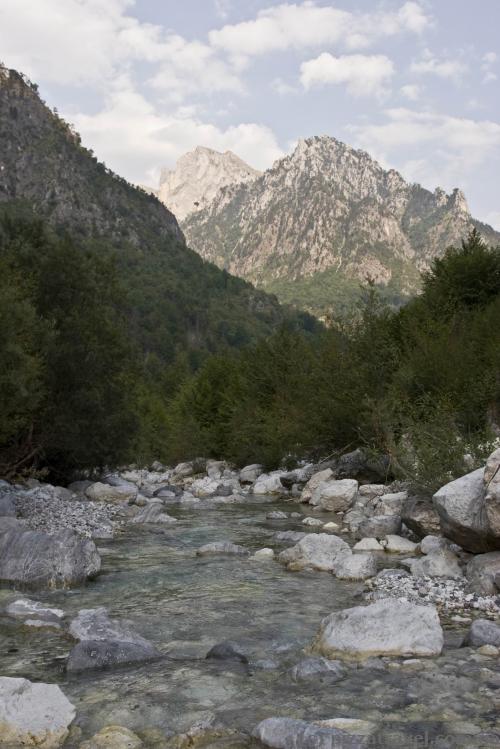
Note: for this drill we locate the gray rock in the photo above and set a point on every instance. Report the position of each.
(318, 551)
(99, 654)
(440, 562)
(287, 733)
(484, 632)
(318, 668)
(226, 651)
(35, 559)
(420, 516)
(390, 504)
(492, 493)
(462, 513)
(356, 567)
(363, 467)
(335, 496)
(183, 470)
(277, 515)
(79, 487)
(379, 527)
(250, 474)
(100, 492)
(221, 547)
(106, 642)
(386, 627)
(316, 479)
(482, 571)
(33, 714)
(8, 523)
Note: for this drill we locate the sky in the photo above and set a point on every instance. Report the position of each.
(416, 83)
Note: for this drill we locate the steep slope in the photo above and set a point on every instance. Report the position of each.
(197, 178)
(331, 213)
(175, 300)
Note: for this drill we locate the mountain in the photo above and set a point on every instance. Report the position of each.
(197, 178)
(325, 218)
(174, 299)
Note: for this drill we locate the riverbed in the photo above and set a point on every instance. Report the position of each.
(186, 604)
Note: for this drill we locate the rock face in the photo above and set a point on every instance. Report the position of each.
(469, 509)
(38, 560)
(328, 209)
(37, 715)
(198, 177)
(105, 642)
(286, 733)
(386, 627)
(318, 551)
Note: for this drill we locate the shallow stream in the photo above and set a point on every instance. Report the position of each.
(186, 604)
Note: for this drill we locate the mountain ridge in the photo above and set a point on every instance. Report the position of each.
(326, 207)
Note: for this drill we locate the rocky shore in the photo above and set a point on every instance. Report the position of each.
(421, 581)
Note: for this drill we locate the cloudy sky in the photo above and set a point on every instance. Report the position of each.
(414, 82)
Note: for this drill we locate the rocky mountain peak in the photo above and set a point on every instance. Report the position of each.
(198, 176)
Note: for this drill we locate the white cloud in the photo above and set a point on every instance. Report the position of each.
(363, 75)
(135, 139)
(222, 8)
(443, 68)
(282, 87)
(411, 91)
(308, 25)
(429, 147)
(489, 58)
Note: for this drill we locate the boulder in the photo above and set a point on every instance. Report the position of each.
(250, 474)
(482, 573)
(363, 467)
(420, 516)
(319, 551)
(368, 544)
(35, 559)
(483, 632)
(205, 487)
(386, 627)
(105, 642)
(113, 737)
(287, 733)
(440, 562)
(222, 547)
(492, 493)
(153, 513)
(318, 668)
(390, 504)
(335, 496)
(216, 468)
(398, 545)
(183, 470)
(24, 608)
(99, 492)
(462, 513)
(370, 491)
(379, 527)
(313, 483)
(33, 714)
(356, 567)
(269, 483)
(277, 515)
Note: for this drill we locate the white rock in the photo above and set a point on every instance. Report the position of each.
(386, 627)
(331, 526)
(355, 726)
(263, 554)
(398, 545)
(356, 567)
(439, 563)
(269, 483)
(313, 483)
(105, 493)
(319, 551)
(26, 608)
(335, 496)
(33, 714)
(250, 474)
(314, 522)
(368, 544)
(391, 504)
(371, 490)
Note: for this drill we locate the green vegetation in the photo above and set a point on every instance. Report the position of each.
(421, 384)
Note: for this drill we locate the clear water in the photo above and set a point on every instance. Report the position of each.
(186, 604)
